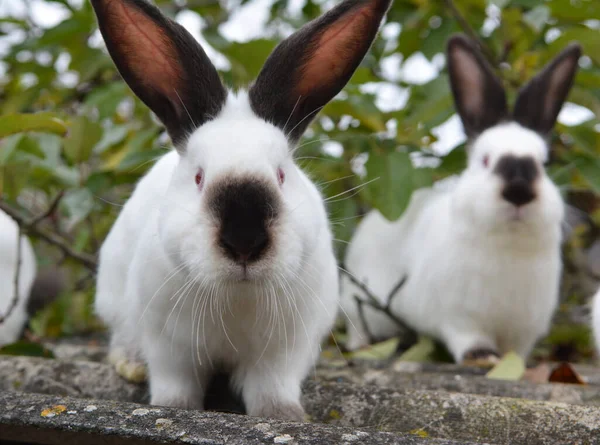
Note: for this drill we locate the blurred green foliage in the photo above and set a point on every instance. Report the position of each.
(70, 125)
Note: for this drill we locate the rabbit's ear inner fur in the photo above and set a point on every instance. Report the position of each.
(541, 99)
(478, 93)
(162, 63)
(310, 67)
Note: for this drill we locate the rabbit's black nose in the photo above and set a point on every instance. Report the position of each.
(245, 208)
(518, 192)
(519, 175)
(245, 249)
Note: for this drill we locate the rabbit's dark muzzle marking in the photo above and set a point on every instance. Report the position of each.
(519, 175)
(245, 209)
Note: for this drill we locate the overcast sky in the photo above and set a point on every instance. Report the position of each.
(248, 22)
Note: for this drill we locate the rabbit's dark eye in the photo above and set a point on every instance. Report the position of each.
(280, 176)
(200, 178)
(486, 160)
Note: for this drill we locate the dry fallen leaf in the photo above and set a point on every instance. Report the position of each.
(54, 411)
(564, 373)
(539, 374)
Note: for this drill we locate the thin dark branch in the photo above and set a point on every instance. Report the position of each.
(15, 298)
(31, 226)
(51, 208)
(361, 314)
(374, 303)
(464, 24)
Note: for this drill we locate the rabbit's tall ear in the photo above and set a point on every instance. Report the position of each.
(478, 94)
(541, 99)
(310, 67)
(162, 63)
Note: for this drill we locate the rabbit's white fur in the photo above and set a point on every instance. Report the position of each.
(171, 297)
(596, 320)
(11, 328)
(480, 274)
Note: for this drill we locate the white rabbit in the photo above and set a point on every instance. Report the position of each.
(11, 328)
(596, 320)
(482, 256)
(222, 258)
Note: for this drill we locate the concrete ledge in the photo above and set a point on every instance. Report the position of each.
(50, 420)
(463, 417)
(462, 383)
(441, 414)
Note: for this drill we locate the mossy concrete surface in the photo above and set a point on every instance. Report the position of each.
(352, 400)
(51, 420)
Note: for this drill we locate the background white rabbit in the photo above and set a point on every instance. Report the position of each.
(482, 257)
(222, 258)
(11, 328)
(596, 320)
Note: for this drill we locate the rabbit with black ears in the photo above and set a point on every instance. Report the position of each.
(12, 256)
(222, 258)
(482, 256)
(596, 320)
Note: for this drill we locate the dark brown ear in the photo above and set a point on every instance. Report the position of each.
(478, 94)
(541, 99)
(162, 63)
(310, 67)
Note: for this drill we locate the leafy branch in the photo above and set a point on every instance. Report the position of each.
(31, 226)
(464, 24)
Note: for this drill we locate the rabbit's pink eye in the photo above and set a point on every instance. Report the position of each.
(199, 178)
(486, 160)
(280, 176)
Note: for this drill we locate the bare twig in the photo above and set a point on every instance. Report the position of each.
(464, 24)
(31, 226)
(374, 303)
(361, 314)
(51, 208)
(15, 298)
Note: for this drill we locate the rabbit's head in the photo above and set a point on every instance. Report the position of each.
(505, 184)
(237, 206)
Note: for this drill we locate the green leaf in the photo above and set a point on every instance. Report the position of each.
(26, 348)
(248, 58)
(575, 11)
(41, 122)
(510, 367)
(377, 351)
(430, 103)
(391, 181)
(138, 160)
(30, 146)
(588, 38)
(422, 351)
(537, 17)
(107, 98)
(78, 204)
(9, 146)
(83, 136)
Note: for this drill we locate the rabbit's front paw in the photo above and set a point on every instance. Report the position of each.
(127, 365)
(280, 410)
(131, 370)
(483, 357)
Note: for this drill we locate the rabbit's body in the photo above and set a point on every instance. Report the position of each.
(482, 256)
(596, 320)
(255, 331)
(11, 328)
(222, 259)
(504, 300)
